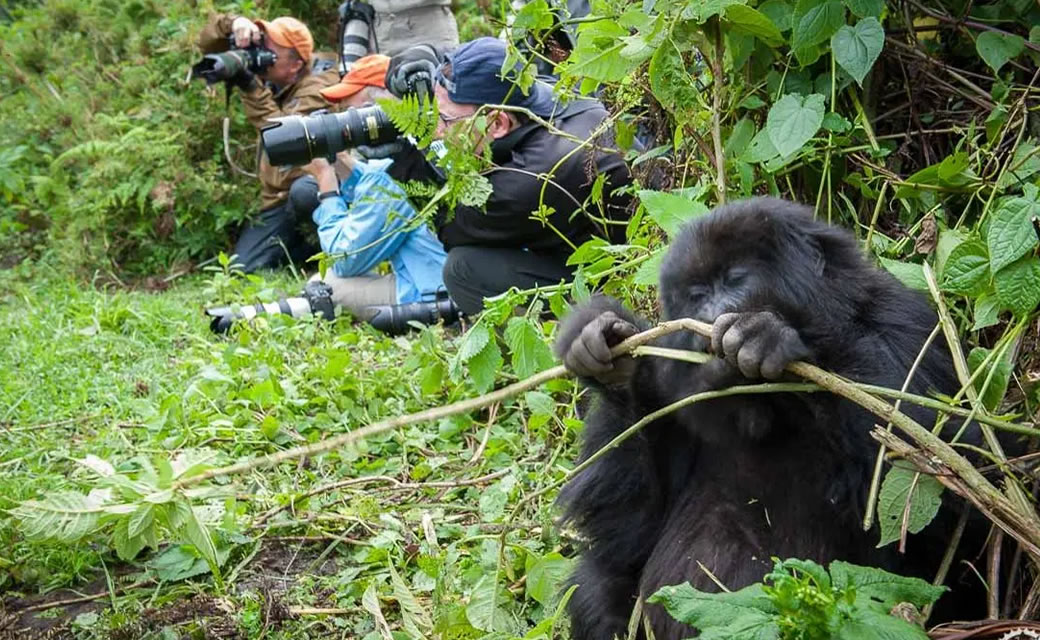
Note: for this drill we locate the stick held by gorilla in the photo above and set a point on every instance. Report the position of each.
(726, 484)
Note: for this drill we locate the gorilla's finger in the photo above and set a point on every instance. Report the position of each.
(749, 359)
(580, 362)
(590, 352)
(623, 330)
(719, 329)
(730, 343)
(773, 365)
(594, 337)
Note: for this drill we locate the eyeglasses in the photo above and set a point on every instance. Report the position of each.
(447, 120)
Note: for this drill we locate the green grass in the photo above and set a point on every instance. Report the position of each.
(134, 377)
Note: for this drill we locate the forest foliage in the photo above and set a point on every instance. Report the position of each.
(913, 124)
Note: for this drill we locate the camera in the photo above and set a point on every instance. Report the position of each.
(316, 299)
(395, 319)
(296, 140)
(217, 67)
(355, 25)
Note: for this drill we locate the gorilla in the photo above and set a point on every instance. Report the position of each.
(721, 486)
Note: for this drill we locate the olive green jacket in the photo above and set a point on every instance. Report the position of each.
(261, 104)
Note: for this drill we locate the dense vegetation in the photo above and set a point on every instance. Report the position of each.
(914, 124)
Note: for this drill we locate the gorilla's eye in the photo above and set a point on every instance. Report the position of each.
(698, 292)
(736, 276)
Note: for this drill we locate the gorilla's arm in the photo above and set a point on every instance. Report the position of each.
(586, 337)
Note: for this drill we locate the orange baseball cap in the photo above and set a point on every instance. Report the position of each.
(369, 71)
(291, 33)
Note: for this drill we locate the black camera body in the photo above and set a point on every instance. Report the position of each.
(296, 140)
(225, 66)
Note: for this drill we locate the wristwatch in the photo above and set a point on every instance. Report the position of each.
(328, 194)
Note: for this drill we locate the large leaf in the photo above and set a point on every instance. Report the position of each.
(1011, 235)
(1018, 285)
(528, 350)
(910, 274)
(857, 48)
(701, 10)
(880, 590)
(486, 610)
(793, 121)
(545, 575)
(816, 22)
(473, 342)
(1024, 163)
(670, 80)
(414, 618)
(670, 211)
(484, 366)
(966, 270)
(597, 55)
(997, 48)
(892, 502)
(65, 516)
(747, 614)
(747, 20)
(998, 383)
(866, 8)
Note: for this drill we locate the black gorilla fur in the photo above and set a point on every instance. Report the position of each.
(730, 482)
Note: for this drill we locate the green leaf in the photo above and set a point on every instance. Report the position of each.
(1010, 234)
(1001, 375)
(649, 272)
(534, 15)
(598, 53)
(865, 8)
(880, 590)
(485, 610)
(415, 620)
(65, 516)
(197, 533)
(912, 275)
(527, 347)
(670, 81)
(492, 503)
(747, 614)
(370, 603)
(987, 311)
(140, 520)
(747, 20)
(739, 138)
(474, 342)
(857, 48)
(779, 12)
(432, 380)
(966, 270)
(484, 366)
(873, 625)
(545, 575)
(178, 563)
(997, 48)
(761, 148)
(701, 10)
(1018, 285)
(1024, 163)
(816, 22)
(793, 121)
(127, 546)
(924, 503)
(670, 211)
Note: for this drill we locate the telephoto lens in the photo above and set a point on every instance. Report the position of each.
(296, 140)
(395, 319)
(217, 67)
(355, 24)
(316, 299)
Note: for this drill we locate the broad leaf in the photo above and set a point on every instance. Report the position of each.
(415, 620)
(998, 384)
(752, 22)
(701, 10)
(987, 312)
(1018, 285)
(671, 82)
(747, 614)
(912, 275)
(527, 347)
(857, 48)
(597, 55)
(1011, 234)
(892, 502)
(793, 121)
(779, 12)
(997, 48)
(966, 270)
(474, 341)
(865, 8)
(816, 22)
(484, 366)
(65, 516)
(649, 272)
(486, 610)
(670, 211)
(880, 590)
(545, 575)
(535, 15)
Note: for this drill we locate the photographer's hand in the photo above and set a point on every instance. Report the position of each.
(323, 173)
(245, 32)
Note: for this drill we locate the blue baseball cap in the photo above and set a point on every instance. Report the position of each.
(476, 78)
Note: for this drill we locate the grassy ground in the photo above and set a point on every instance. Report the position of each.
(134, 378)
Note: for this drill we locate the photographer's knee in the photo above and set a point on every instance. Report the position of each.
(303, 195)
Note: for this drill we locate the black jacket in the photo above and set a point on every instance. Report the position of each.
(520, 158)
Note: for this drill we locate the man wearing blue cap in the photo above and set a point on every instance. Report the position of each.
(504, 244)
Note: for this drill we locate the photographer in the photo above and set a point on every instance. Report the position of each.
(366, 218)
(291, 85)
(505, 245)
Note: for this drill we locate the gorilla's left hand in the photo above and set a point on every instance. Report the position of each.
(759, 344)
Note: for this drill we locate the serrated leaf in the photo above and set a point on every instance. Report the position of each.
(761, 149)
(101, 467)
(892, 500)
(484, 366)
(670, 211)
(127, 546)
(474, 342)
(178, 563)
(492, 503)
(1001, 375)
(857, 48)
(747, 20)
(485, 610)
(872, 625)
(779, 12)
(747, 614)
(528, 350)
(879, 590)
(370, 603)
(912, 275)
(140, 520)
(415, 620)
(670, 80)
(996, 49)
(1018, 285)
(793, 121)
(534, 15)
(1010, 234)
(598, 53)
(966, 270)
(701, 10)
(816, 22)
(197, 534)
(1024, 163)
(545, 575)
(65, 516)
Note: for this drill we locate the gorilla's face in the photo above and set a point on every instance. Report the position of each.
(728, 289)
